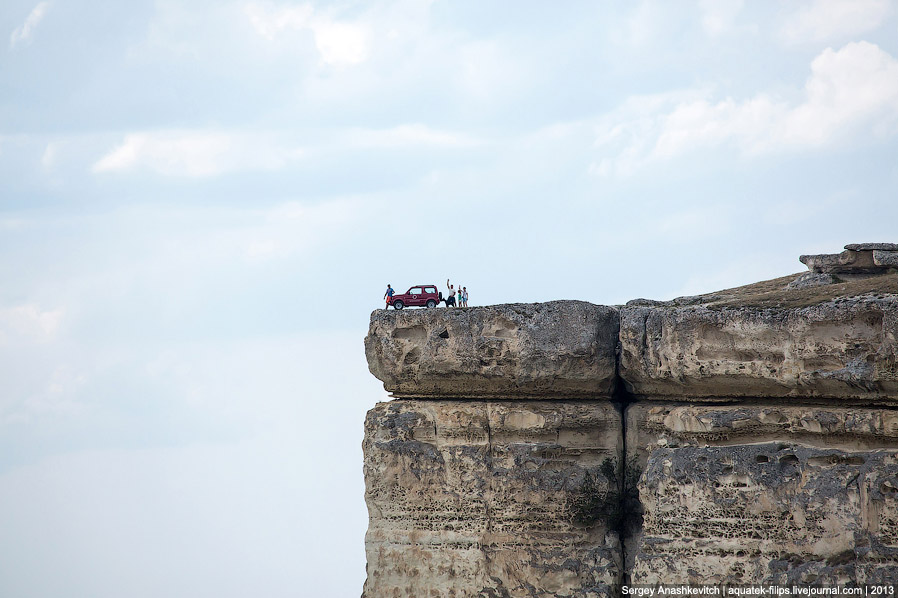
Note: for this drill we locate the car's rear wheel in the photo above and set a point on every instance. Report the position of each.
(431, 303)
(398, 305)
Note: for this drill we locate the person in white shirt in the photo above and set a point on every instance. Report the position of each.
(450, 300)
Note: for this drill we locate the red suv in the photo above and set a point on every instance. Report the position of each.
(423, 295)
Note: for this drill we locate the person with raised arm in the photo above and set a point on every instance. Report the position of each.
(450, 299)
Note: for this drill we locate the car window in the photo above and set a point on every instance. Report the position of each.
(430, 289)
(415, 291)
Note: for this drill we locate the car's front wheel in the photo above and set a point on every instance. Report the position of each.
(398, 305)
(431, 303)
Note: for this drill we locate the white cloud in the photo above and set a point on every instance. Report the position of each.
(269, 23)
(851, 91)
(48, 159)
(625, 137)
(718, 16)
(196, 153)
(489, 70)
(338, 43)
(832, 19)
(29, 322)
(202, 153)
(408, 135)
(854, 85)
(293, 228)
(643, 24)
(23, 32)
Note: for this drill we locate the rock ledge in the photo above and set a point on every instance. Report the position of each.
(560, 349)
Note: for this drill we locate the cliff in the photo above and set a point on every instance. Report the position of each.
(566, 449)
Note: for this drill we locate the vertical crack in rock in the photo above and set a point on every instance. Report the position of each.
(488, 515)
(621, 400)
(621, 403)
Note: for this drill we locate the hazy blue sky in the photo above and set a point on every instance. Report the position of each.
(201, 202)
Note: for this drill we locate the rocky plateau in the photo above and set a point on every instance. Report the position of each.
(565, 449)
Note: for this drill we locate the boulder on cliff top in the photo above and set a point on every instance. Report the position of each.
(858, 259)
(553, 350)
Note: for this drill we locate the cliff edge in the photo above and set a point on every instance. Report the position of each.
(564, 449)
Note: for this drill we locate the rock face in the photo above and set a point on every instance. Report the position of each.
(858, 258)
(743, 494)
(749, 436)
(842, 349)
(498, 498)
(768, 513)
(886, 258)
(550, 350)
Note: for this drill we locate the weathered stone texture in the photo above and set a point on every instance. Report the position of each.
(858, 259)
(811, 279)
(841, 349)
(768, 513)
(886, 258)
(482, 498)
(872, 246)
(651, 426)
(549, 350)
(847, 262)
(759, 443)
(763, 494)
(824, 262)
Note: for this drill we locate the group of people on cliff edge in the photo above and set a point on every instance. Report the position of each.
(456, 297)
(461, 294)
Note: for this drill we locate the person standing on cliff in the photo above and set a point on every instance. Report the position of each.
(464, 296)
(450, 299)
(388, 295)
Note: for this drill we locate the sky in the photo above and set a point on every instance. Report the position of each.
(201, 202)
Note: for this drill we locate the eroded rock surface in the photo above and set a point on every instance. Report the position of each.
(759, 443)
(886, 258)
(773, 513)
(751, 493)
(872, 246)
(550, 350)
(651, 426)
(847, 262)
(840, 349)
(857, 259)
(492, 498)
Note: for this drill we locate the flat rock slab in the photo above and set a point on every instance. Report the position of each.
(840, 349)
(872, 246)
(849, 261)
(492, 498)
(651, 426)
(554, 350)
